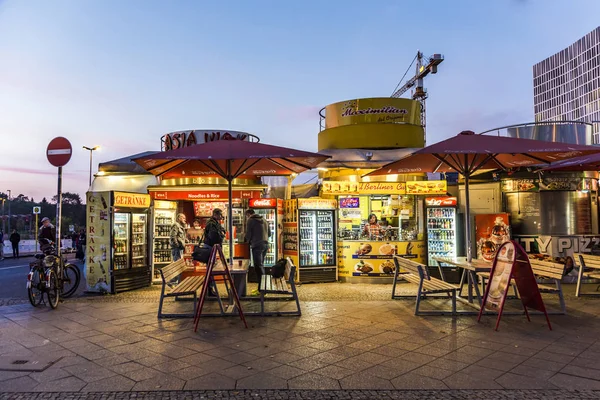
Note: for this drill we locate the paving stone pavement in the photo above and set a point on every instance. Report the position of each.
(343, 349)
(316, 395)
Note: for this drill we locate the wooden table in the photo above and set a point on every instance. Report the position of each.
(470, 270)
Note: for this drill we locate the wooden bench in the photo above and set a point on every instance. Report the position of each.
(418, 274)
(187, 287)
(545, 270)
(586, 261)
(281, 286)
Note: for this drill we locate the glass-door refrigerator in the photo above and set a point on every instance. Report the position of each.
(163, 219)
(444, 229)
(131, 264)
(317, 247)
(121, 223)
(117, 247)
(268, 208)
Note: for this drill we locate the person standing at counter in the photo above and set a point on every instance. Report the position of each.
(372, 229)
(213, 231)
(177, 237)
(257, 234)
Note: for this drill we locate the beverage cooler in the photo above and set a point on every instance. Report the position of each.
(163, 218)
(444, 229)
(316, 245)
(117, 246)
(272, 211)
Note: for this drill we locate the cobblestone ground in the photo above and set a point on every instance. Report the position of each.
(317, 395)
(358, 344)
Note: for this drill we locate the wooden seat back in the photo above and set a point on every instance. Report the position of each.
(172, 270)
(547, 269)
(412, 267)
(290, 270)
(587, 260)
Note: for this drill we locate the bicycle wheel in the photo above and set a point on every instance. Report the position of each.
(53, 291)
(35, 290)
(70, 280)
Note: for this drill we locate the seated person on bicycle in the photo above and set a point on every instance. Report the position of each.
(47, 230)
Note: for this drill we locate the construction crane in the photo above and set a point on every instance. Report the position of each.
(424, 66)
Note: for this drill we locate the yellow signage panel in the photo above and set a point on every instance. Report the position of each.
(372, 136)
(137, 200)
(98, 247)
(372, 258)
(376, 110)
(351, 188)
(317, 204)
(427, 187)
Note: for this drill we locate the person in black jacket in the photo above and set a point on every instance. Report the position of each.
(257, 235)
(213, 231)
(15, 238)
(214, 234)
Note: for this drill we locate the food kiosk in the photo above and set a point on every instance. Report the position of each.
(377, 220)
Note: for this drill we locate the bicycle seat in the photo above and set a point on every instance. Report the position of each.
(39, 256)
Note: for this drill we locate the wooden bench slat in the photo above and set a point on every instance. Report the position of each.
(589, 260)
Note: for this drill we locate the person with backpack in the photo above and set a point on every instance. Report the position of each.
(257, 235)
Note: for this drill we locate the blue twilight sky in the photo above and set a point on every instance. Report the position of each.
(120, 73)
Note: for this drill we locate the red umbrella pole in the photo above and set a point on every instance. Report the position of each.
(230, 219)
(467, 218)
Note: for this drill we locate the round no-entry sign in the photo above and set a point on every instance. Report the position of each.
(59, 151)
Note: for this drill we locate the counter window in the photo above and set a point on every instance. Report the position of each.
(380, 217)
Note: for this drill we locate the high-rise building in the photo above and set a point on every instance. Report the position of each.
(566, 86)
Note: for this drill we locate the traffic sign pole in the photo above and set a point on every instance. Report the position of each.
(59, 211)
(58, 153)
(37, 226)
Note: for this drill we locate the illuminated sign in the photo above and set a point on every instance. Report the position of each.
(131, 200)
(317, 204)
(349, 202)
(263, 203)
(441, 201)
(426, 187)
(204, 194)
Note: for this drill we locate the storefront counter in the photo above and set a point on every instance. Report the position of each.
(359, 260)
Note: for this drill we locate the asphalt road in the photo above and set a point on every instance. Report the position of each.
(13, 276)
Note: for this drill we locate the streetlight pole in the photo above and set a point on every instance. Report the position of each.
(91, 150)
(9, 214)
(3, 221)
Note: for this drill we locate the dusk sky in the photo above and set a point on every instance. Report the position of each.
(119, 74)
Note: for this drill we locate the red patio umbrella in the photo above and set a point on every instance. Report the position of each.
(229, 159)
(467, 153)
(585, 163)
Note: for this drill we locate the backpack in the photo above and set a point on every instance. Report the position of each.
(278, 270)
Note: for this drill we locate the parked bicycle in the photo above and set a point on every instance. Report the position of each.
(51, 275)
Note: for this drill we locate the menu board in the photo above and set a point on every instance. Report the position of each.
(426, 187)
(205, 208)
(97, 255)
(524, 209)
(520, 185)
